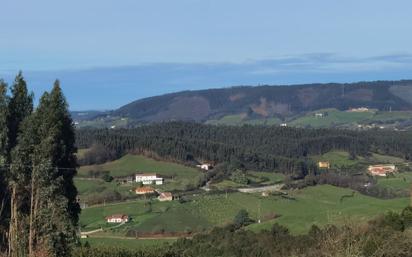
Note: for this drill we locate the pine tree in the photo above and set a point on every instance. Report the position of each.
(20, 108)
(54, 209)
(4, 202)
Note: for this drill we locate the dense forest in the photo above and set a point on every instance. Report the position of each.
(261, 148)
(39, 212)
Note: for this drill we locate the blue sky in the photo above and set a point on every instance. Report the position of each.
(108, 52)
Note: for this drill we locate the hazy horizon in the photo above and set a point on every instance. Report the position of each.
(119, 52)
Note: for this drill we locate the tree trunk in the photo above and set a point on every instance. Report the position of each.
(13, 240)
(33, 213)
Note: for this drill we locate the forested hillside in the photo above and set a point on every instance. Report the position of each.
(269, 101)
(255, 148)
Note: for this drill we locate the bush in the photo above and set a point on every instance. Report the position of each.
(107, 178)
(242, 218)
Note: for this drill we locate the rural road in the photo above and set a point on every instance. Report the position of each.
(270, 188)
(91, 232)
(86, 233)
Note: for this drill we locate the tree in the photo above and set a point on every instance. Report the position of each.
(4, 202)
(54, 212)
(242, 218)
(20, 107)
(239, 177)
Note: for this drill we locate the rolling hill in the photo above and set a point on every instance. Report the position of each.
(260, 105)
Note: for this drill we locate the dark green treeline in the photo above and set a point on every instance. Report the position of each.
(253, 147)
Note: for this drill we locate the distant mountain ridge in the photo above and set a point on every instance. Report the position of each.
(269, 101)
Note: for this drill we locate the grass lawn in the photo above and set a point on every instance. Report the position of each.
(392, 116)
(337, 159)
(129, 243)
(260, 177)
(379, 158)
(263, 178)
(94, 217)
(321, 205)
(131, 164)
(400, 181)
(226, 184)
(341, 158)
(334, 117)
(91, 188)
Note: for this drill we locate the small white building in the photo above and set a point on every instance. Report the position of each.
(205, 166)
(149, 179)
(166, 196)
(117, 218)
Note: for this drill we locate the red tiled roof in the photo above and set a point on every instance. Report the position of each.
(166, 194)
(144, 189)
(117, 216)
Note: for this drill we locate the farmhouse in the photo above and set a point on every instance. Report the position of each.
(381, 170)
(166, 196)
(117, 218)
(205, 166)
(125, 180)
(360, 109)
(324, 165)
(144, 190)
(149, 178)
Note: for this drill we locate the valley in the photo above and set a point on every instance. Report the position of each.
(193, 210)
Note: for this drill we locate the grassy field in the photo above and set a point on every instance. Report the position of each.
(391, 116)
(241, 119)
(314, 205)
(334, 117)
(339, 159)
(399, 181)
(131, 164)
(379, 158)
(127, 243)
(255, 177)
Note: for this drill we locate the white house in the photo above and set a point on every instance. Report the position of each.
(381, 170)
(117, 218)
(166, 196)
(149, 178)
(205, 166)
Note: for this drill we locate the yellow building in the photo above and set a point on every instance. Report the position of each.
(324, 165)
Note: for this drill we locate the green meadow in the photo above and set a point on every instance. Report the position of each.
(334, 117)
(397, 181)
(179, 176)
(130, 243)
(321, 204)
